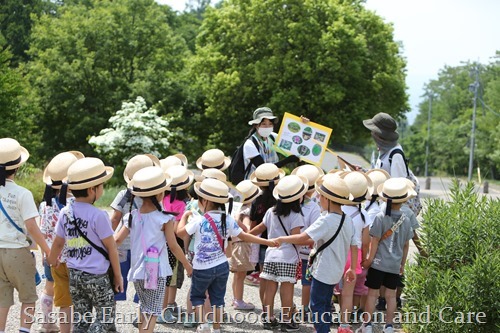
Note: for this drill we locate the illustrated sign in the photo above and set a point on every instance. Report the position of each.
(305, 140)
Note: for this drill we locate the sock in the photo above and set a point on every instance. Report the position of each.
(46, 302)
(24, 330)
(388, 325)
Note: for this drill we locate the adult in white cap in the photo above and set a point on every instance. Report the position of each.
(17, 219)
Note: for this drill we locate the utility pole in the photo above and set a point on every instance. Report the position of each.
(473, 86)
(429, 94)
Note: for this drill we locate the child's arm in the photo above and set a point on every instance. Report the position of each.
(245, 223)
(55, 251)
(110, 245)
(350, 274)
(416, 241)
(260, 228)
(250, 238)
(367, 262)
(181, 227)
(297, 239)
(405, 255)
(121, 235)
(168, 229)
(37, 235)
(365, 242)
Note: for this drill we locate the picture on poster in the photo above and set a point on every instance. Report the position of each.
(305, 140)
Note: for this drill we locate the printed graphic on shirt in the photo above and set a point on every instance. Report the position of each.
(209, 250)
(78, 247)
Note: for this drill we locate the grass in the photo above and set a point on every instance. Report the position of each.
(109, 195)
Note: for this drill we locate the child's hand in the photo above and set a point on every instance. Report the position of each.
(350, 275)
(187, 214)
(304, 119)
(366, 263)
(402, 269)
(272, 243)
(189, 270)
(118, 283)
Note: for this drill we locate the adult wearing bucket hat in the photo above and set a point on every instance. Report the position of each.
(87, 232)
(259, 144)
(17, 219)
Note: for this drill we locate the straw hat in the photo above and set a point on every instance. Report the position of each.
(211, 173)
(377, 176)
(336, 172)
(212, 190)
(176, 159)
(266, 173)
(335, 189)
(12, 154)
(262, 113)
(213, 158)
(383, 125)
(182, 178)
(310, 172)
(88, 172)
(360, 185)
(248, 190)
(149, 181)
(396, 189)
(57, 169)
(291, 188)
(138, 162)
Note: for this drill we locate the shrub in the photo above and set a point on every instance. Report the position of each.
(30, 177)
(461, 274)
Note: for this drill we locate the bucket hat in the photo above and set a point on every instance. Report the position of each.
(182, 178)
(262, 113)
(291, 188)
(266, 174)
(176, 159)
(397, 190)
(57, 169)
(310, 172)
(249, 191)
(12, 154)
(360, 185)
(149, 181)
(335, 189)
(213, 158)
(212, 190)
(88, 172)
(383, 125)
(138, 162)
(377, 176)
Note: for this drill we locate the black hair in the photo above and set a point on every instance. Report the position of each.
(80, 193)
(267, 197)
(221, 207)
(192, 192)
(181, 195)
(284, 209)
(9, 173)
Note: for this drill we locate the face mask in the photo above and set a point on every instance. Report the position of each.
(264, 131)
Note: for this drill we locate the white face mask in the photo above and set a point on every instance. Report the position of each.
(264, 131)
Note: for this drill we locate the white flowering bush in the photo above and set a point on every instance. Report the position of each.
(135, 129)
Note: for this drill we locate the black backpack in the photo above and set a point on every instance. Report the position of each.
(237, 171)
(415, 203)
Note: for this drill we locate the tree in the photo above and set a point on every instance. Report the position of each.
(135, 129)
(333, 61)
(95, 55)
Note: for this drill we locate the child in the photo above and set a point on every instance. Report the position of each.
(333, 236)
(391, 233)
(86, 230)
(150, 227)
(176, 197)
(360, 188)
(17, 218)
(123, 204)
(211, 269)
(56, 291)
(240, 263)
(280, 264)
(311, 210)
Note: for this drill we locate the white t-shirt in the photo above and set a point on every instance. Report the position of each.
(266, 150)
(312, 212)
(207, 250)
(328, 267)
(372, 211)
(147, 231)
(397, 168)
(124, 210)
(287, 252)
(357, 221)
(20, 206)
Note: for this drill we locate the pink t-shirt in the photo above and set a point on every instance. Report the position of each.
(177, 206)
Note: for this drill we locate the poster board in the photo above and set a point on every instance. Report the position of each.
(308, 141)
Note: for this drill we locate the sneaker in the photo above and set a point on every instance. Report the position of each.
(388, 329)
(49, 328)
(270, 324)
(242, 305)
(190, 321)
(381, 305)
(167, 317)
(344, 330)
(203, 329)
(289, 327)
(252, 279)
(365, 329)
(135, 322)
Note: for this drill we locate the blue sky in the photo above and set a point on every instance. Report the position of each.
(434, 33)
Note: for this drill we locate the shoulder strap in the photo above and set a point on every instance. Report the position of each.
(98, 248)
(330, 241)
(399, 151)
(217, 234)
(10, 218)
(392, 229)
(256, 143)
(286, 232)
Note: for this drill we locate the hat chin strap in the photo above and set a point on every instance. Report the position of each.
(3, 175)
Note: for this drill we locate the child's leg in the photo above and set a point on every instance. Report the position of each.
(390, 298)
(238, 285)
(286, 295)
(81, 296)
(346, 300)
(62, 297)
(148, 323)
(270, 293)
(306, 287)
(103, 300)
(370, 304)
(321, 296)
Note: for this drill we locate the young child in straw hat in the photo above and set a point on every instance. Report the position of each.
(91, 247)
(280, 264)
(239, 263)
(211, 230)
(56, 290)
(151, 230)
(17, 219)
(391, 233)
(333, 237)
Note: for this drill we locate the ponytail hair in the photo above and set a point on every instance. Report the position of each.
(130, 200)
(284, 209)
(156, 203)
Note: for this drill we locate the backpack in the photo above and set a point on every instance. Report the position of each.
(237, 171)
(415, 203)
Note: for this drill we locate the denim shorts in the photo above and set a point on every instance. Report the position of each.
(47, 272)
(305, 282)
(212, 279)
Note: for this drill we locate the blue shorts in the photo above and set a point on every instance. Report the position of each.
(212, 279)
(125, 267)
(262, 255)
(305, 282)
(47, 272)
